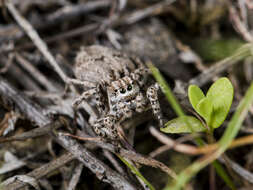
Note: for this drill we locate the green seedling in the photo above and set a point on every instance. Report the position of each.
(212, 107)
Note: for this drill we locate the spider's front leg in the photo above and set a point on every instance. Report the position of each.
(105, 127)
(81, 83)
(140, 75)
(152, 95)
(85, 95)
(98, 99)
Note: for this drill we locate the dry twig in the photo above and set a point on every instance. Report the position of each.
(33, 112)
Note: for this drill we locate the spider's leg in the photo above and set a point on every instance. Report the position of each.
(105, 127)
(84, 96)
(126, 70)
(82, 83)
(140, 72)
(140, 75)
(100, 102)
(96, 92)
(136, 60)
(152, 95)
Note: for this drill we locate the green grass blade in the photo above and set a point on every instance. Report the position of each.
(166, 90)
(222, 173)
(136, 172)
(240, 54)
(230, 133)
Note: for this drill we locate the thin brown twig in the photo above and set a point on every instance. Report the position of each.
(33, 133)
(165, 148)
(239, 25)
(111, 22)
(39, 172)
(63, 36)
(221, 66)
(159, 150)
(8, 63)
(62, 15)
(96, 139)
(33, 112)
(35, 73)
(16, 72)
(188, 149)
(75, 177)
(102, 171)
(114, 162)
(36, 39)
(155, 9)
(40, 44)
(245, 174)
(192, 150)
(131, 155)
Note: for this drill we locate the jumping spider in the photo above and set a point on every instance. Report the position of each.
(119, 85)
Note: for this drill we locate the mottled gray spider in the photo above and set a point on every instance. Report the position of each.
(119, 84)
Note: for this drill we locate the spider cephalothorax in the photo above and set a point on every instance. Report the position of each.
(119, 85)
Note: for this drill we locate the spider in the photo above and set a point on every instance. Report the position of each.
(118, 84)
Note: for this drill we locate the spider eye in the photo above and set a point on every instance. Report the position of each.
(129, 87)
(122, 91)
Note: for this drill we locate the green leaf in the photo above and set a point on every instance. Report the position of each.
(221, 95)
(226, 139)
(195, 95)
(183, 124)
(205, 109)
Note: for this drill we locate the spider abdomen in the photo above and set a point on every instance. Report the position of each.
(100, 64)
